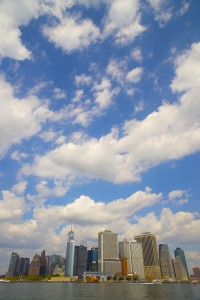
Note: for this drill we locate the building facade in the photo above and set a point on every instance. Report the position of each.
(137, 261)
(150, 255)
(108, 255)
(179, 269)
(13, 265)
(92, 262)
(166, 267)
(70, 254)
(80, 260)
(178, 252)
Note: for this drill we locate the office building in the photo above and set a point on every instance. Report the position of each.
(69, 266)
(92, 261)
(137, 262)
(166, 267)
(80, 260)
(196, 272)
(179, 269)
(13, 265)
(34, 269)
(180, 253)
(150, 255)
(108, 255)
(124, 252)
(42, 263)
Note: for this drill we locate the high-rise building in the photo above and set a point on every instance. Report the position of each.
(108, 255)
(137, 262)
(166, 267)
(80, 260)
(180, 253)
(92, 262)
(34, 268)
(124, 252)
(150, 255)
(42, 263)
(13, 265)
(70, 254)
(196, 272)
(179, 269)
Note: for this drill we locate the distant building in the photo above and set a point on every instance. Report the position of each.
(13, 265)
(166, 267)
(70, 254)
(124, 252)
(137, 261)
(80, 260)
(42, 263)
(150, 255)
(23, 266)
(179, 269)
(34, 269)
(196, 272)
(92, 261)
(180, 253)
(108, 252)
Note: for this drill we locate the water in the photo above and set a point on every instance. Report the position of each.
(99, 291)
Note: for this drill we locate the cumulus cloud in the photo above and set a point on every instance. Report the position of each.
(123, 21)
(163, 13)
(20, 118)
(136, 54)
(134, 75)
(72, 34)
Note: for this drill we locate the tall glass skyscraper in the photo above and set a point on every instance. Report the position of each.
(70, 254)
(165, 262)
(150, 255)
(108, 256)
(80, 260)
(180, 253)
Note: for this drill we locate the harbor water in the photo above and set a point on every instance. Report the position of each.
(103, 291)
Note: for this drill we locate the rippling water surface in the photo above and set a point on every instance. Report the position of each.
(104, 291)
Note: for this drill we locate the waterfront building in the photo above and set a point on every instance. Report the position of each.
(137, 261)
(23, 266)
(124, 252)
(179, 269)
(34, 269)
(42, 263)
(92, 262)
(166, 267)
(196, 272)
(150, 255)
(180, 253)
(70, 254)
(108, 255)
(13, 265)
(80, 260)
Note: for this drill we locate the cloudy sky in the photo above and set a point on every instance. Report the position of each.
(100, 123)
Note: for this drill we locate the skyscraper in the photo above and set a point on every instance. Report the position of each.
(137, 262)
(92, 263)
(180, 253)
(150, 255)
(179, 269)
(34, 269)
(13, 265)
(165, 262)
(70, 254)
(80, 260)
(108, 256)
(124, 252)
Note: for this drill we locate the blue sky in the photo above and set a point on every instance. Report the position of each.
(100, 123)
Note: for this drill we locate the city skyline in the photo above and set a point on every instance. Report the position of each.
(141, 256)
(99, 123)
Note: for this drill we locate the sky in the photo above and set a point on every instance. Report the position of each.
(99, 123)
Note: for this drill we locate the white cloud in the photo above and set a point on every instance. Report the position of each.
(20, 118)
(136, 54)
(135, 75)
(163, 13)
(123, 21)
(83, 79)
(11, 207)
(176, 194)
(72, 34)
(184, 8)
(169, 133)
